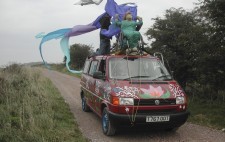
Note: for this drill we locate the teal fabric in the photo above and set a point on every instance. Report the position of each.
(65, 49)
(129, 30)
(64, 45)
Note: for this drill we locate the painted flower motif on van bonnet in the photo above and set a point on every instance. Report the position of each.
(176, 90)
(127, 91)
(154, 92)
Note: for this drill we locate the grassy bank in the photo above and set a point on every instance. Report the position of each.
(61, 68)
(207, 113)
(31, 109)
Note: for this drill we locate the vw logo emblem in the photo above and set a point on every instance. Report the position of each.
(157, 102)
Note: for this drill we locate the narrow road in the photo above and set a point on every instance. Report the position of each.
(90, 124)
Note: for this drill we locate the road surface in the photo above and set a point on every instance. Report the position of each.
(90, 124)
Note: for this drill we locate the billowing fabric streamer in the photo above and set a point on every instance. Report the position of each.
(86, 2)
(111, 8)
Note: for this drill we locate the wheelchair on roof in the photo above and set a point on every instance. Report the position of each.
(122, 46)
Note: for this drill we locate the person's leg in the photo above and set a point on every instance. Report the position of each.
(101, 49)
(107, 47)
(104, 47)
(135, 37)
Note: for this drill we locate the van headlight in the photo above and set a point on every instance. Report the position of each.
(180, 100)
(126, 101)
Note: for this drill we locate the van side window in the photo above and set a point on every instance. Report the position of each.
(102, 66)
(86, 66)
(94, 65)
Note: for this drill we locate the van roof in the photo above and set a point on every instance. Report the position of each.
(119, 56)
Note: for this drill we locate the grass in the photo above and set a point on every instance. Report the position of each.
(31, 109)
(61, 68)
(207, 113)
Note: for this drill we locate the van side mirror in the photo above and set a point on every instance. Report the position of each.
(98, 75)
(172, 73)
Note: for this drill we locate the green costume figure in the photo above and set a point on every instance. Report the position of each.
(128, 27)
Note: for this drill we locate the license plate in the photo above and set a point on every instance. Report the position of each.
(157, 118)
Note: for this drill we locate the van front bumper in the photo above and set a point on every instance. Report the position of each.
(124, 120)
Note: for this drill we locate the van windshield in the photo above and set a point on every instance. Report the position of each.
(137, 68)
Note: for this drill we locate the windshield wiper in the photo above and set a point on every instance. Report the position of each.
(138, 76)
(162, 77)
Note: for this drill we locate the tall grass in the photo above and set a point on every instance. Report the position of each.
(207, 106)
(207, 112)
(31, 109)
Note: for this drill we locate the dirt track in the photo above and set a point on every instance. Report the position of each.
(90, 124)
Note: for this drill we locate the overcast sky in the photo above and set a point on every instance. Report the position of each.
(21, 20)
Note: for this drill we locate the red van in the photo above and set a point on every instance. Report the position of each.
(132, 91)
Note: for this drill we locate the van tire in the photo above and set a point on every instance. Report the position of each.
(107, 126)
(85, 107)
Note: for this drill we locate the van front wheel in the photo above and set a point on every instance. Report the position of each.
(107, 126)
(85, 107)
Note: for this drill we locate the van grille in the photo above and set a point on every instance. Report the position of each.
(151, 102)
(164, 111)
(148, 82)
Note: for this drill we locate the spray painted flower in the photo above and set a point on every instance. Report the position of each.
(153, 92)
